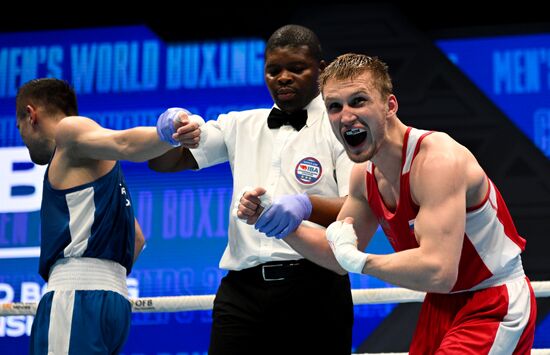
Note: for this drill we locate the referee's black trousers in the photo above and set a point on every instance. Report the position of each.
(283, 308)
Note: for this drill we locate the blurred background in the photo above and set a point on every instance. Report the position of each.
(482, 76)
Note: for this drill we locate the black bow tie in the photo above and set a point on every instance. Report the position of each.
(277, 118)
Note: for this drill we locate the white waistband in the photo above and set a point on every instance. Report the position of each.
(510, 272)
(88, 274)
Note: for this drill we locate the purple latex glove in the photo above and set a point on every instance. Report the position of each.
(165, 125)
(284, 215)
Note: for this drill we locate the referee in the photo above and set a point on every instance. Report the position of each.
(281, 295)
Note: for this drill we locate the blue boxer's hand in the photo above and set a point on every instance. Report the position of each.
(165, 124)
(284, 215)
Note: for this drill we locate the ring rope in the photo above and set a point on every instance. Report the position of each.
(205, 302)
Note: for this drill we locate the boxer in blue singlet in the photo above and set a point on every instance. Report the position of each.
(90, 238)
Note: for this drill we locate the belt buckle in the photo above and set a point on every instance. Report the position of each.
(271, 265)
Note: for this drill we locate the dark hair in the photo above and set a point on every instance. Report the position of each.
(295, 36)
(351, 65)
(53, 95)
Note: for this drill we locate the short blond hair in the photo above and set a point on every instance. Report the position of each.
(352, 65)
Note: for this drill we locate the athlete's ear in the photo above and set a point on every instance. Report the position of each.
(31, 113)
(392, 104)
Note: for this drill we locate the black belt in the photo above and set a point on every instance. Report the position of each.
(273, 270)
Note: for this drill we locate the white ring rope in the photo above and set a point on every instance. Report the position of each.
(205, 302)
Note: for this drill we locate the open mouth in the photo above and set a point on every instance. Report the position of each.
(355, 136)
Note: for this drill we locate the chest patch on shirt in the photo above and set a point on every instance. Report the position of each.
(308, 171)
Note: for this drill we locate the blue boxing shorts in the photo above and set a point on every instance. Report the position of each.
(84, 311)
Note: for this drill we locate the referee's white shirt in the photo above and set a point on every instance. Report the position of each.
(283, 161)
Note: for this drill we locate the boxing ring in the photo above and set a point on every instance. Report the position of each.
(205, 303)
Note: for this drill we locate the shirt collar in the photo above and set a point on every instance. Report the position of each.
(315, 110)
